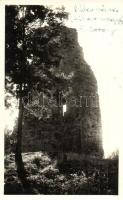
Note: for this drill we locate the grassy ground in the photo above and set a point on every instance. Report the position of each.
(88, 177)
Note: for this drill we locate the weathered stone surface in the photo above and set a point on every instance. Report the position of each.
(79, 131)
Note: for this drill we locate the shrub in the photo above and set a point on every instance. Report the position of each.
(37, 161)
(114, 155)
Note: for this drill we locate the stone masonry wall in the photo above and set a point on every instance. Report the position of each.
(79, 131)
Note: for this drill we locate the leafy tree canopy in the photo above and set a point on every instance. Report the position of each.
(30, 46)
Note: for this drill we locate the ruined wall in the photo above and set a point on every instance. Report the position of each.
(79, 131)
(83, 111)
(42, 135)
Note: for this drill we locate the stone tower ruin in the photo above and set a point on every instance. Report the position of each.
(77, 134)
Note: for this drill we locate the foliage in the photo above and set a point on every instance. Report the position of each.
(93, 177)
(32, 40)
(114, 155)
(22, 42)
(20, 51)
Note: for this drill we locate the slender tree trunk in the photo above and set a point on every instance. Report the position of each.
(18, 153)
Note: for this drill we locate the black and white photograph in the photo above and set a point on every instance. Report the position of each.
(62, 97)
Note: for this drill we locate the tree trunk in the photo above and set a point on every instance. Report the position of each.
(18, 152)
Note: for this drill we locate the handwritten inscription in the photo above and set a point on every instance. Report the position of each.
(95, 19)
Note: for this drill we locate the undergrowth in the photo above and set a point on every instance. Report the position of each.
(71, 177)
